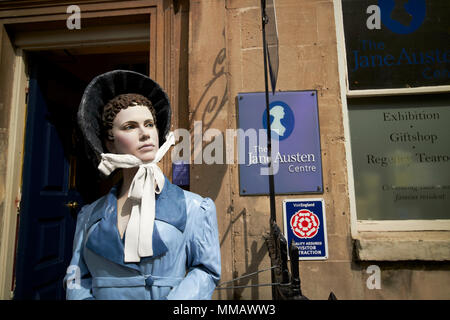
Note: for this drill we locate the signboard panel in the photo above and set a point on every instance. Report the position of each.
(296, 148)
(401, 157)
(397, 44)
(180, 173)
(305, 225)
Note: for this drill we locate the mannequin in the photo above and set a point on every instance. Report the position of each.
(147, 238)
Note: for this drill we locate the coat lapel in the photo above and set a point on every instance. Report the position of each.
(104, 237)
(171, 206)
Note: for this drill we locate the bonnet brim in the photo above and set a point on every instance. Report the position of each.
(107, 86)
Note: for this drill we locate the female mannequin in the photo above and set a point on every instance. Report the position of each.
(147, 238)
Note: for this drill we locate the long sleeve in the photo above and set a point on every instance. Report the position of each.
(78, 281)
(203, 256)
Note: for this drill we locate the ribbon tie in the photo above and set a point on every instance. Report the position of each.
(147, 181)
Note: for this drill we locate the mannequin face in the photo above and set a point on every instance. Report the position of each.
(135, 133)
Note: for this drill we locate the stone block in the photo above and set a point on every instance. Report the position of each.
(288, 69)
(253, 293)
(251, 29)
(251, 251)
(326, 30)
(297, 25)
(319, 278)
(252, 70)
(239, 4)
(339, 248)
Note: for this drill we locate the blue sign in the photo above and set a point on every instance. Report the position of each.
(295, 135)
(305, 225)
(180, 173)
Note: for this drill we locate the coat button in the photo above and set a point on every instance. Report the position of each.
(149, 281)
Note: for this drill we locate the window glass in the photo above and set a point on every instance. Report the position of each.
(401, 156)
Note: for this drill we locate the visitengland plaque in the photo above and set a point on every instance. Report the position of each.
(296, 145)
(401, 157)
(305, 226)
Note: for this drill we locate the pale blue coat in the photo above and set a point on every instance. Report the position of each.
(186, 261)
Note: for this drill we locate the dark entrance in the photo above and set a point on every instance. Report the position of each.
(57, 180)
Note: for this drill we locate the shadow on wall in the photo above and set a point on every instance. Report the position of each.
(252, 261)
(206, 178)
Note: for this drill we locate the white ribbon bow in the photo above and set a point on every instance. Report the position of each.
(139, 231)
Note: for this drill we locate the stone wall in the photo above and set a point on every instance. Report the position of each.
(226, 58)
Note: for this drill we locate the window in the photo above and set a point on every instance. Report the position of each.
(401, 156)
(394, 73)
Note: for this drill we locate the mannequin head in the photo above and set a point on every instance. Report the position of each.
(129, 127)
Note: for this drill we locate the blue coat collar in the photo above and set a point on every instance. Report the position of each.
(104, 239)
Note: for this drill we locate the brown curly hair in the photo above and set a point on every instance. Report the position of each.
(123, 101)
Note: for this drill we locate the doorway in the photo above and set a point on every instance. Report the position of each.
(57, 178)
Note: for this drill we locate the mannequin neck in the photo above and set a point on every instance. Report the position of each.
(128, 176)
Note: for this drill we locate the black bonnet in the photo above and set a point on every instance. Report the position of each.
(107, 86)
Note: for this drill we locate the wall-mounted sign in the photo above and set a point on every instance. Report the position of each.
(397, 44)
(305, 225)
(401, 157)
(180, 173)
(296, 145)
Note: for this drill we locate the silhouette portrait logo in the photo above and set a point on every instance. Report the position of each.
(282, 120)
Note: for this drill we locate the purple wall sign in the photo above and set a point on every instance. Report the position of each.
(295, 117)
(180, 173)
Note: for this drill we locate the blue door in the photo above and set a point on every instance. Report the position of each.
(50, 201)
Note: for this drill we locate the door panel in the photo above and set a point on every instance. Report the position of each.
(55, 167)
(47, 224)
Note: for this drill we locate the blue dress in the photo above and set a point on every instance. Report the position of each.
(186, 260)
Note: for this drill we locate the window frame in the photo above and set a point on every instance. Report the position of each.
(359, 227)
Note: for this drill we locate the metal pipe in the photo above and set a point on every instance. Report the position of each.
(269, 135)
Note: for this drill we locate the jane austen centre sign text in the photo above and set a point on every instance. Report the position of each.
(295, 145)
